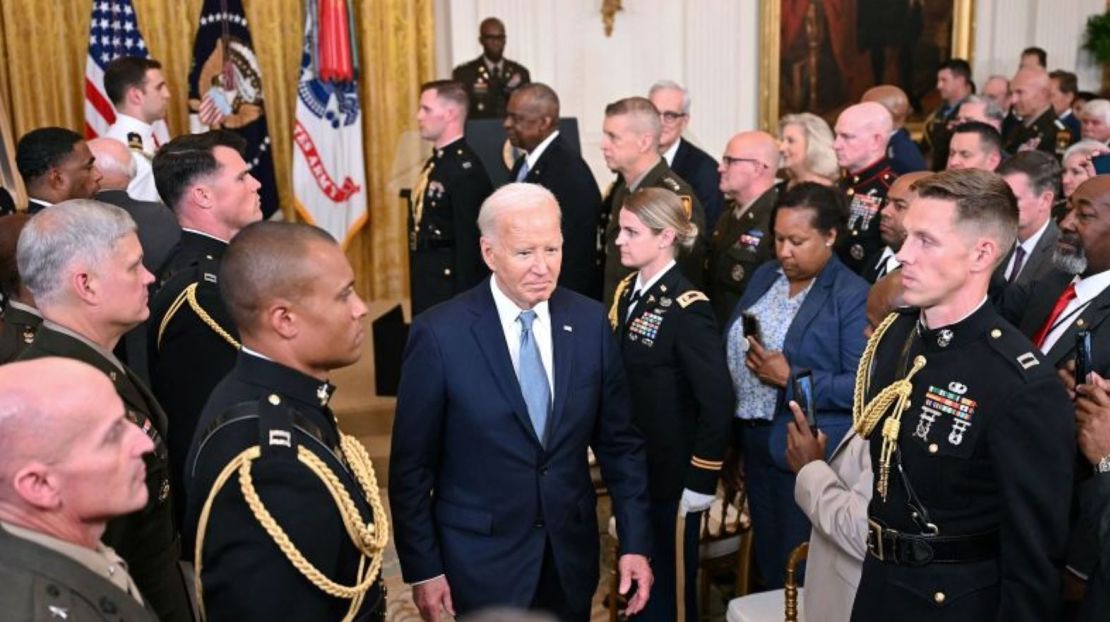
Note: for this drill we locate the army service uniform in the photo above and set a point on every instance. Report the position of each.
(17, 330)
(692, 261)
(489, 91)
(682, 405)
(1045, 134)
(245, 575)
(742, 241)
(969, 515)
(865, 192)
(444, 255)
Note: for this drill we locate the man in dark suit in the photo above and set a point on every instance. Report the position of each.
(56, 165)
(1093, 417)
(502, 390)
(1039, 129)
(82, 262)
(443, 239)
(491, 78)
(693, 165)
(532, 124)
(630, 145)
(1034, 178)
(191, 342)
(291, 292)
(58, 490)
(1063, 85)
(902, 152)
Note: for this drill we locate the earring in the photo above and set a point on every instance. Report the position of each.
(828, 244)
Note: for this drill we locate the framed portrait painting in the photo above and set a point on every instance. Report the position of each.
(820, 56)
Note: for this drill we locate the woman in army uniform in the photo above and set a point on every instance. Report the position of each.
(681, 392)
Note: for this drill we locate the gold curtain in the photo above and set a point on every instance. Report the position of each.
(43, 44)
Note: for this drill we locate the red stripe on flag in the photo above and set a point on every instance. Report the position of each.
(90, 133)
(99, 102)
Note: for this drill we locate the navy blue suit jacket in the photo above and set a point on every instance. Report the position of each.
(473, 492)
(826, 337)
(699, 169)
(904, 155)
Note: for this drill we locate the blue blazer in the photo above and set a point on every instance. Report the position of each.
(826, 337)
(904, 155)
(474, 493)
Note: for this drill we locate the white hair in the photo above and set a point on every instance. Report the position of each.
(1084, 148)
(74, 230)
(510, 196)
(671, 85)
(1098, 108)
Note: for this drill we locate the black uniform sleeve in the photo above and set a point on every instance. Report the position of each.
(467, 194)
(702, 357)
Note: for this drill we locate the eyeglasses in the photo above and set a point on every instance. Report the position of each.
(492, 37)
(729, 160)
(671, 117)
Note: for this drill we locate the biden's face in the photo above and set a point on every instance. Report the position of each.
(525, 253)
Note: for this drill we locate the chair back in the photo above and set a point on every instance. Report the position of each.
(797, 556)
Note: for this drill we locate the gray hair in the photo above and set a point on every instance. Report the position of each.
(1084, 147)
(511, 196)
(671, 85)
(991, 109)
(78, 230)
(1098, 108)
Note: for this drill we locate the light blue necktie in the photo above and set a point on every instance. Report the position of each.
(523, 172)
(532, 376)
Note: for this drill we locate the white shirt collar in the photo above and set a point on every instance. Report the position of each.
(508, 311)
(1031, 243)
(131, 123)
(643, 287)
(247, 350)
(668, 155)
(534, 155)
(40, 201)
(890, 259)
(1086, 289)
(207, 235)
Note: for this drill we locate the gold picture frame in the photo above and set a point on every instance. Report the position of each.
(770, 56)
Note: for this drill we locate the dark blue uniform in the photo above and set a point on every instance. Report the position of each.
(866, 192)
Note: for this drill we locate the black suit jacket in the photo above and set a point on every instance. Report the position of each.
(568, 177)
(158, 229)
(146, 539)
(699, 169)
(1094, 498)
(1039, 262)
(34, 207)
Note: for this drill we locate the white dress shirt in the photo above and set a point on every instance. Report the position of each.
(142, 186)
(642, 287)
(509, 314)
(668, 155)
(1086, 290)
(890, 259)
(531, 157)
(1027, 246)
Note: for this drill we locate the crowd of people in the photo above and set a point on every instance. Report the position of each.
(898, 346)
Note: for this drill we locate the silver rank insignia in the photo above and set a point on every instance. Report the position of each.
(322, 394)
(944, 338)
(61, 613)
(664, 302)
(856, 251)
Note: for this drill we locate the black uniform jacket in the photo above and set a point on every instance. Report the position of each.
(147, 539)
(866, 192)
(245, 576)
(568, 177)
(741, 243)
(17, 331)
(681, 391)
(692, 262)
(987, 444)
(445, 256)
(489, 95)
(1043, 131)
(40, 585)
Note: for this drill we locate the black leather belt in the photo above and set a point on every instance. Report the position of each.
(908, 549)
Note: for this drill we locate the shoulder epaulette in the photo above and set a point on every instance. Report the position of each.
(690, 297)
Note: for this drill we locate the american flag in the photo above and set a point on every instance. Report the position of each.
(113, 32)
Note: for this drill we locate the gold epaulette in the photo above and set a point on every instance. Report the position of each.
(623, 285)
(708, 465)
(690, 297)
(687, 205)
(189, 294)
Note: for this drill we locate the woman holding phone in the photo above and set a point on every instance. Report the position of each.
(804, 311)
(681, 394)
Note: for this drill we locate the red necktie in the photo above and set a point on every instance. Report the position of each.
(1061, 304)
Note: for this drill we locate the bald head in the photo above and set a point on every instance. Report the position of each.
(1030, 92)
(862, 132)
(892, 98)
(748, 167)
(114, 161)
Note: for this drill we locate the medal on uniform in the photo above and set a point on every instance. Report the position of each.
(856, 251)
(737, 273)
(944, 337)
(664, 302)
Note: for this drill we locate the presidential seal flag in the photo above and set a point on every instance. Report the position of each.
(329, 176)
(113, 32)
(225, 89)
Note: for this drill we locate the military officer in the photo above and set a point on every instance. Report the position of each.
(298, 532)
(954, 401)
(491, 78)
(861, 138)
(19, 319)
(742, 239)
(444, 254)
(1039, 128)
(681, 392)
(82, 262)
(630, 145)
(954, 86)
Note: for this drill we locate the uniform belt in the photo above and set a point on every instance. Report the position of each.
(908, 549)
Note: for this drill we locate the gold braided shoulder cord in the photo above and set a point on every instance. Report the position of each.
(614, 320)
(189, 294)
(369, 539)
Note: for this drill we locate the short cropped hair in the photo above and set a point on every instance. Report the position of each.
(671, 85)
(187, 158)
(510, 196)
(643, 112)
(659, 209)
(982, 198)
(1041, 168)
(264, 261)
(451, 90)
(990, 108)
(42, 149)
(1042, 56)
(959, 68)
(75, 230)
(830, 209)
(989, 138)
(124, 73)
(10, 228)
(543, 97)
(1066, 81)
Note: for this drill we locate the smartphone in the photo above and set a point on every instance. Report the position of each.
(751, 326)
(803, 394)
(1083, 364)
(1101, 163)
(216, 94)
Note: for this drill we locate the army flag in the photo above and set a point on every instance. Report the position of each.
(329, 176)
(113, 32)
(225, 90)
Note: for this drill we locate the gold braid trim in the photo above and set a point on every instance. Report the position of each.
(863, 377)
(189, 294)
(614, 320)
(369, 539)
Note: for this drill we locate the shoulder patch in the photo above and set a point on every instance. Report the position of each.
(690, 297)
(1028, 360)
